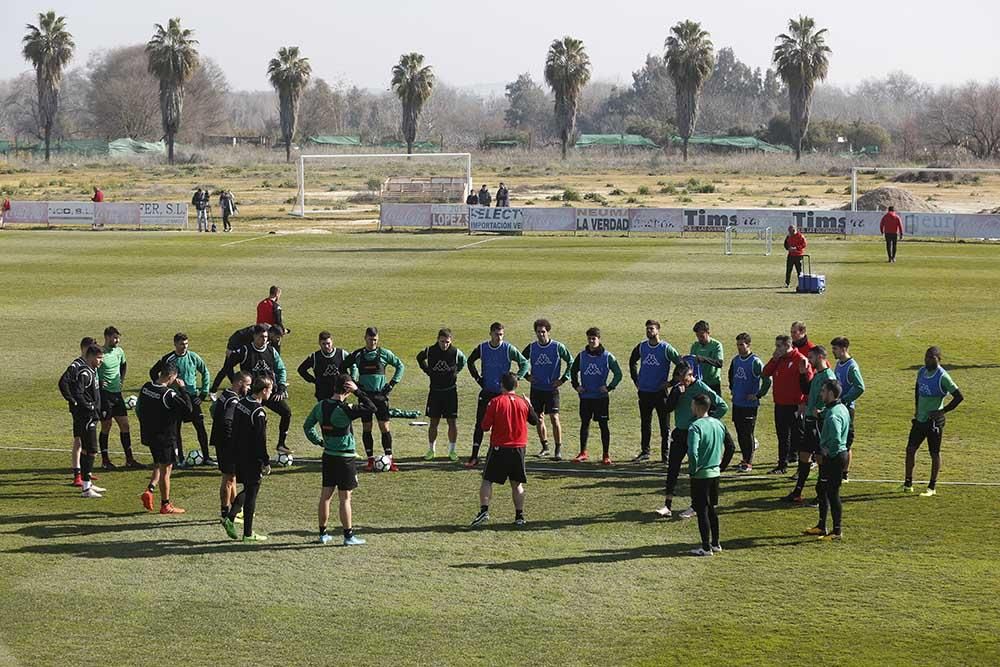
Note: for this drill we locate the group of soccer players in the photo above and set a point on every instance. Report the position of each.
(814, 412)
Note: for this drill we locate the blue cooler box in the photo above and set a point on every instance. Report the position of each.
(809, 282)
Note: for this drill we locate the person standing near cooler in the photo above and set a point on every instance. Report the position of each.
(367, 366)
(112, 375)
(325, 364)
(189, 367)
(249, 444)
(442, 362)
(163, 403)
(933, 384)
(812, 374)
(832, 455)
(507, 417)
(496, 355)
(748, 385)
(783, 369)
(649, 368)
(589, 374)
(705, 439)
(795, 244)
(891, 226)
(85, 407)
(269, 312)
(852, 387)
(550, 369)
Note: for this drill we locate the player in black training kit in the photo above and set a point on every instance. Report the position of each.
(325, 365)
(442, 363)
(162, 405)
(222, 430)
(66, 381)
(249, 443)
(240, 339)
(85, 397)
(260, 359)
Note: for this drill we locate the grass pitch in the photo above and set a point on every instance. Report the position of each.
(595, 577)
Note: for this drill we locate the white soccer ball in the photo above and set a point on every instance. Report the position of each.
(382, 463)
(284, 460)
(193, 458)
(131, 402)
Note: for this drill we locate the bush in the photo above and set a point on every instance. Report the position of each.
(570, 194)
(668, 190)
(617, 192)
(373, 184)
(803, 201)
(643, 190)
(631, 200)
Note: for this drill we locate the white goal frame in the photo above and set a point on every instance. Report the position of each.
(763, 235)
(300, 209)
(900, 170)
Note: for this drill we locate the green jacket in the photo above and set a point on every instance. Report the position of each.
(704, 444)
(833, 432)
(189, 366)
(814, 401)
(335, 434)
(680, 403)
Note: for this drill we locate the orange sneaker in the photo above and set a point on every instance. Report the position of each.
(147, 500)
(370, 467)
(78, 480)
(472, 462)
(392, 466)
(581, 457)
(170, 509)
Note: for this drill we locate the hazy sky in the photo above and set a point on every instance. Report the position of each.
(487, 44)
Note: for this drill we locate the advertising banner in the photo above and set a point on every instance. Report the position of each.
(116, 215)
(71, 213)
(405, 215)
(162, 214)
(451, 216)
(27, 213)
(602, 220)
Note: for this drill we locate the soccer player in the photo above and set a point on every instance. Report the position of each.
(783, 369)
(589, 374)
(260, 358)
(442, 362)
(249, 443)
(241, 338)
(800, 339)
(366, 366)
(812, 374)
(705, 447)
(85, 407)
(852, 386)
(795, 244)
(748, 385)
(325, 365)
(550, 362)
(649, 367)
(497, 355)
(222, 430)
(66, 382)
(334, 415)
(709, 354)
(933, 384)
(832, 459)
(163, 403)
(189, 366)
(112, 375)
(685, 388)
(269, 312)
(507, 417)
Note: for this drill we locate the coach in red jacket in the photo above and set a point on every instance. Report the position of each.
(507, 418)
(784, 370)
(795, 244)
(269, 312)
(892, 228)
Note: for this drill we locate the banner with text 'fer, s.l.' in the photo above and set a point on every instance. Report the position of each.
(162, 214)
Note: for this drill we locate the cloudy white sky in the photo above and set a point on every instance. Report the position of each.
(487, 44)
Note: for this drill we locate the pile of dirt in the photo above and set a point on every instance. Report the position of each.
(991, 211)
(918, 176)
(882, 198)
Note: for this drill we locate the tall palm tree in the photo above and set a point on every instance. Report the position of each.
(413, 82)
(690, 59)
(173, 59)
(289, 74)
(801, 58)
(49, 47)
(567, 71)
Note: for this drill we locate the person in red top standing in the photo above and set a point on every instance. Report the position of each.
(783, 368)
(507, 418)
(3, 210)
(795, 244)
(800, 339)
(98, 195)
(269, 312)
(891, 227)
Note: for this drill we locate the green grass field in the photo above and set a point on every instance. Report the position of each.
(595, 577)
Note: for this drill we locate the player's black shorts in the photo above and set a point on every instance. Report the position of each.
(442, 403)
(196, 414)
(503, 463)
(810, 438)
(484, 400)
(339, 472)
(381, 408)
(224, 457)
(112, 405)
(163, 454)
(850, 429)
(545, 402)
(83, 423)
(595, 408)
(931, 430)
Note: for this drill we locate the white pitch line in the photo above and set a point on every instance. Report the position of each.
(256, 238)
(469, 245)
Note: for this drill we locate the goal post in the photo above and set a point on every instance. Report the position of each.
(748, 240)
(301, 208)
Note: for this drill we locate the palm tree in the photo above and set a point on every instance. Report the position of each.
(690, 60)
(413, 83)
(567, 71)
(173, 59)
(49, 47)
(289, 74)
(801, 58)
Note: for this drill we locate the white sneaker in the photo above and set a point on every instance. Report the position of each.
(91, 493)
(756, 444)
(688, 513)
(664, 512)
(97, 488)
(701, 552)
(716, 548)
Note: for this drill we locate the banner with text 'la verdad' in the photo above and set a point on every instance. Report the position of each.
(602, 220)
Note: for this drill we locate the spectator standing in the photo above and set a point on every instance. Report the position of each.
(98, 195)
(503, 196)
(200, 203)
(484, 196)
(3, 210)
(227, 204)
(472, 199)
(891, 227)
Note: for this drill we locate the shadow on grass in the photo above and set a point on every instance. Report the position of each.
(153, 548)
(767, 288)
(956, 367)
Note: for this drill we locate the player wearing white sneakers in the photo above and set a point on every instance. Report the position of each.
(85, 407)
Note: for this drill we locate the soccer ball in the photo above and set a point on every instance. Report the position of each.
(283, 460)
(193, 458)
(131, 402)
(382, 463)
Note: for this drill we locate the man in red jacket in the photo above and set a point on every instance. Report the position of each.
(892, 228)
(507, 418)
(783, 369)
(269, 312)
(795, 244)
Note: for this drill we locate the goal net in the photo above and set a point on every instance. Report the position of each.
(329, 185)
(748, 240)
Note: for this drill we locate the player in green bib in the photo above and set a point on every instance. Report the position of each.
(710, 356)
(705, 451)
(811, 384)
(933, 384)
(111, 375)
